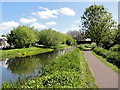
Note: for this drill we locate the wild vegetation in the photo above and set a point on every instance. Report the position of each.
(66, 71)
(111, 56)
(104, 60)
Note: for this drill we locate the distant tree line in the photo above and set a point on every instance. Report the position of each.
(25, 36)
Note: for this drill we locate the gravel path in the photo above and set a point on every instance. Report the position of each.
(104, 76)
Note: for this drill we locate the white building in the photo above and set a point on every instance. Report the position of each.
(3, 42)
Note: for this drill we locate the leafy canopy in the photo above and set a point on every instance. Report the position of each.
(22, 36)
(97, 22)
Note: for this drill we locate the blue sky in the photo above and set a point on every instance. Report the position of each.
(57, 15)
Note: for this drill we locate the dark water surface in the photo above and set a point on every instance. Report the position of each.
(12, 69)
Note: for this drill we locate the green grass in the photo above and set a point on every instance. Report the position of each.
(87, 79)
(12, 53)
(113, 67)
(66, 71)
(59, 47)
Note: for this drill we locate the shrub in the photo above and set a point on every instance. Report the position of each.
(115, 48)
(100, 51)
(82, 47)
(114, 58)
(87, 45)
(111, 56)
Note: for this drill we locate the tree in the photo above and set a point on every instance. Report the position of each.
(49, 37)
(96, 22)
(22, 36)
(117, 35)
(70, 40)
(3, 35)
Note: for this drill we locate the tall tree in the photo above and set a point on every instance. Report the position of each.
(96, 22)
(49, 37)
(22, 36)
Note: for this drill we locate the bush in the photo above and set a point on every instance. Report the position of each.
(87, 45)
(111, 56)
(100, 51)
(93, 46)
(115, 48)
(114, 58)
(82, 47)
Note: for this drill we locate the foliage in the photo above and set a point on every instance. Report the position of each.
(116, 35)
(82, 47)
(97, 22)
(67, 71)
(24, 52)
(70, 40)
(111, 56)
(115, 48)
(113, 67)
(3, 35)
(59, 47)
(87, 45)
(22, 36)
(49, 37)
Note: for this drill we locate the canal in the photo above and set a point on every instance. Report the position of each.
(12, 69)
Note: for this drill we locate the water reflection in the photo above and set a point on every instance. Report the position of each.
(22, 67)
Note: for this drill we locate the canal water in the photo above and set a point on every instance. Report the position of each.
(12, 69)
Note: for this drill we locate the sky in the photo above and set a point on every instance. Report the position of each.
(61, 16)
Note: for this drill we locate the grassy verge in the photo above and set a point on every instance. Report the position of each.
(113, 67)
(59, 47)
(66, 71)
(87, 80)
(24, 52)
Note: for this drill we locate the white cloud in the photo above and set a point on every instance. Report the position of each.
(67, 11)
(51, 23)
(74, 28)
(28, 20)
(72, 25)
(8, 26)
(38, 25)
(77, 21)
(47, 13)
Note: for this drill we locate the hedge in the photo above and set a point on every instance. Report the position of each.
(111, 56)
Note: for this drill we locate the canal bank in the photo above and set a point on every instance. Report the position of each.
(65, 71)
(22, 67)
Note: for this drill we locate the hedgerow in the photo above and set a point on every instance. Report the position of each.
(115, 48)
(111, 56)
